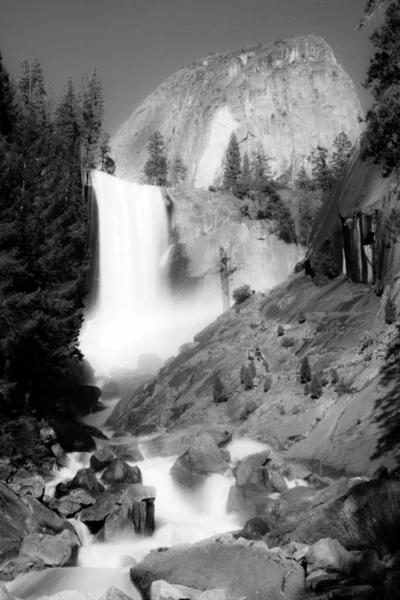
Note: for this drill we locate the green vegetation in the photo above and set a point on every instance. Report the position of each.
(219, 391)
(155, 169)
(44, 151)
(242, 293)
(334, 376)
(267, 383)
(302, 317)
(178, 170)
(390, 311)
(307, 214)
(287, 342)
(316, 387)
(232, 166)
(381, 142)
(305, 370)
(248, 378)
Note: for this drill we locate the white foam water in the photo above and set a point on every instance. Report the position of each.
(134, 312)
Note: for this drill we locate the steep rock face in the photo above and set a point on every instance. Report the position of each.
(202, 222)
(358, 225)
(290, 95)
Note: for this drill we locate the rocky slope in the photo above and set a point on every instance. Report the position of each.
(344, 329)
(290, 95)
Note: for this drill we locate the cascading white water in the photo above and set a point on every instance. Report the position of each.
(134, 313)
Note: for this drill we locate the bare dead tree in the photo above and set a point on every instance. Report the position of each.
(226, 268)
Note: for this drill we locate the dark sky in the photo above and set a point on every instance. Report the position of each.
(136, 44)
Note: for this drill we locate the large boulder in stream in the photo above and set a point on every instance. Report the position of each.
(54, 550)
(199, 460)
(241, 570)
(101, 459)
(121, 508)
(127, 451)
(118, 471)
(86, 479)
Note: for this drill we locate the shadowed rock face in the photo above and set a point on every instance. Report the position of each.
(290, 95)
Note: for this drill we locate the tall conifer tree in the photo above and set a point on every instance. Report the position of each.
(232, 166)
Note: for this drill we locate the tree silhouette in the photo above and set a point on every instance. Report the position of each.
(156, 168)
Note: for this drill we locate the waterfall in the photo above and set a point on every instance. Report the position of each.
(134, 312)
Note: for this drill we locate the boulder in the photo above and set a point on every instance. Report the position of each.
(101, 459)
(254, 529)
(199, 460)
(119, 471)
(41, 519)
(128, 451)
(120, 507)
(13, 527)
(54, 550)
(114, 593)
(211, 564)
(69, 505)
(16, 566)
(277, 483)
(86, 479)
(61, 457)
(162, 590)
(33, 485)
(329, 555)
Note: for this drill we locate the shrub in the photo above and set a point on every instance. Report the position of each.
(390, 311)
(248, 378)
(343, 387)
(241, 293)
(252, 367)
(302, 317)
(334, 377)
(212, 188)
(267, 383)
(305, 370)
(296, 409)
(366, 342)
(282, 410)
(219, 391)
(323, 379)
(316, 387)
(287, 342)
(280, 331)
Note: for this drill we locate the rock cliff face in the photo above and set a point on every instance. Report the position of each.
(290, 95)
(203, 221)
(358, 226)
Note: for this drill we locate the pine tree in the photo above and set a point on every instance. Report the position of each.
(261, 171)
(155, 168)
(92, 106)
(381, 142)
(178, 170)
(322, 174)
(316, 387)
(245, 183)
(305, 370)
(342, 148)
(232, 166)
(277, 211)
(7, 102)
(107, 164)
(67, 121)
(303, 181)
